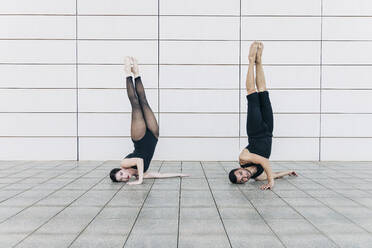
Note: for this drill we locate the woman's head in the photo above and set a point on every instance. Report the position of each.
(121, 175)
(239, 175)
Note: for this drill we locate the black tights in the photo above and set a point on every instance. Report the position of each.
(142, 115)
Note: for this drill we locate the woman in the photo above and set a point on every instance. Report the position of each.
(144, 132)
(254, 159)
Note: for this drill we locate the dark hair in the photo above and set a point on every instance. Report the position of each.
(232, 176)
(113, 174)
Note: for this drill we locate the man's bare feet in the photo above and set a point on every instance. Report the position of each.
(260, 47)
(292, 173)
(127, 66)
(135, 68)
(253, 52)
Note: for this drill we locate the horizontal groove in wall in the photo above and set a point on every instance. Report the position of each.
(108, 64)
(185, 15)
(214, 113)
(184, 40)
(214, 89)
(196, 137)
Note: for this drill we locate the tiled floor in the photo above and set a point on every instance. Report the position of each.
(69, 204)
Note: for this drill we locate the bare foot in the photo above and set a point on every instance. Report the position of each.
(293, 173)
(259, 53)
(135, 68)
(127, 66)
(253, 52)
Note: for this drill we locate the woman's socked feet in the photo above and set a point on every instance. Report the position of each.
(127, 67)
(135, 68)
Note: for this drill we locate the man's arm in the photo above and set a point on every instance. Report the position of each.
(247, 157)
(163, 175)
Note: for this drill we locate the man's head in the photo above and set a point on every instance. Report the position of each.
(121, 175)
(239, 175)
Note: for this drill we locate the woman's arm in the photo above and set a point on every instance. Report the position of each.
(163, 175)
(128, 163)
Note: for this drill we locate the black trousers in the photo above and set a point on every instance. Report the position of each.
(260, 120)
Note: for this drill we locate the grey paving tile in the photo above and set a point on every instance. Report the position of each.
(354, 212)
(307, 241)
(339, 201)
(150, 241)
(202, 226)
(155, 226)
(239, 213)
(321, 215)
(60, 198)
(72, 220)
(9, 240)
(194, 184)
(304, 202)
(107, 184)
(6, 212)
(205, 241)
(128, 198)
(246, 226)
(340, 227)
(5, 194)
(286, 212)
(94, 198)
(27, 198)
(230, 198)
(292, 194)
(28, 220)
(353, 240)
(199, 213)
(323, 193)
(118, 212)
(166, 184)
(99, 241)
(256, 240)
(276, 202)
(291, 226)
(197, 199)
(47, 240)
(159, 213)
(260, 194)
(162, 199)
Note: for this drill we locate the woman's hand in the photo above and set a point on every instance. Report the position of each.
(269, 185)
(135, 182)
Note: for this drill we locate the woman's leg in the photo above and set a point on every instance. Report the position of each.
(149, 116)
(266, 109)
(138, 125)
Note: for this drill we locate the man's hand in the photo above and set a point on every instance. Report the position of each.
(135, 182)
(269, 185)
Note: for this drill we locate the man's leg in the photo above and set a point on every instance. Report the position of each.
(254, 118)
(266, 109)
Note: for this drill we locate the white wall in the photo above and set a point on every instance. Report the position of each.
(61, 83)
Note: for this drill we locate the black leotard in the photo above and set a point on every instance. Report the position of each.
(144, 148)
